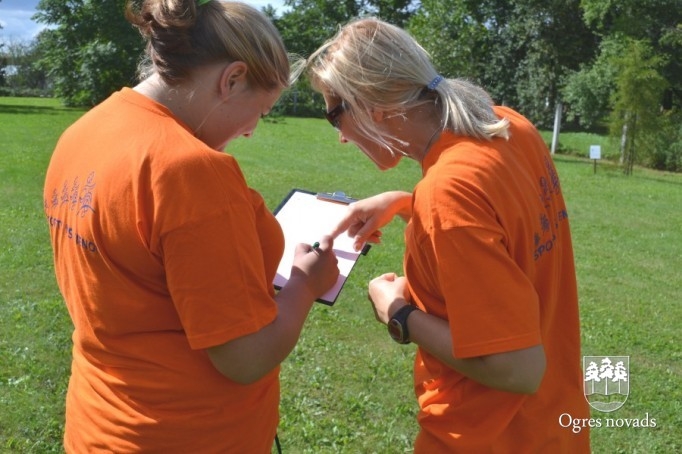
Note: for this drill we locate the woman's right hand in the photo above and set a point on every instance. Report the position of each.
(316, 268)
(248, 358)
(365, 217)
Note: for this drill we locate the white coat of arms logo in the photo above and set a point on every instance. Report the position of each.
(606, 381)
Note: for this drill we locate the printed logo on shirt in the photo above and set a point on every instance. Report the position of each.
(545, 237)
(74, 196)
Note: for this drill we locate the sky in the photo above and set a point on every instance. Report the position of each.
(17, 26)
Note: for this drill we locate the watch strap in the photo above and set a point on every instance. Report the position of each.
(397, 325)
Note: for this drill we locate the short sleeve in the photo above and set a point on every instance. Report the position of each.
(212, 251)
(216, 277)
(492, 306)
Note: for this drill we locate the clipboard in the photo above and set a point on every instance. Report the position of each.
(304, 217)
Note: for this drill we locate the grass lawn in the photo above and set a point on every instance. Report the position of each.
(346, 388)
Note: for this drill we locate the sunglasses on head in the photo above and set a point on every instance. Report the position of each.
(333, 115)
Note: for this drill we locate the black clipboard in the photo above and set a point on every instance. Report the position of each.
(305, 216)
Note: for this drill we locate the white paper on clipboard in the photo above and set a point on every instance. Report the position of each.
(306, 216)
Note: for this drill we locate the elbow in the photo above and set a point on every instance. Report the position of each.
(529, 385)
(533, 387)
(234, 368)
(528, 379)
(521, 382)
(537, 379)
(243, 374)
(520, 372)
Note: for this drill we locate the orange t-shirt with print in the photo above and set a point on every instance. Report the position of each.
(488, 248)
(161, 250)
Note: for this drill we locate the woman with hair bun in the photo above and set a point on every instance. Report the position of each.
(489, 289)
(163, 254)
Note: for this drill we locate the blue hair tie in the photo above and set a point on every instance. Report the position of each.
(434, 83)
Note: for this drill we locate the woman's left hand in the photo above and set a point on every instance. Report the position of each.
(388, 293)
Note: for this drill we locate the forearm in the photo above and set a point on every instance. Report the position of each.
(400, 203)
(519, 371)
(249, 358)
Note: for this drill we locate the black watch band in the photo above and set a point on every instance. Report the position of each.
(397, 325)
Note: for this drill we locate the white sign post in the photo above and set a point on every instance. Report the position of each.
(595, 154)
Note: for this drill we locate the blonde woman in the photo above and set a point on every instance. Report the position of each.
(165, 257)
(489, 287)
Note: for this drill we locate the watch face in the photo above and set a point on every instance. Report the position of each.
(395, 330)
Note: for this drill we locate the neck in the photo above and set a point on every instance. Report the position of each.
(181, 100)
(424, 128)
(432, 140)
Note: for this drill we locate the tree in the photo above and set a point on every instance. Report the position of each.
(397, 12)
(636, 99)
(556, 42)
(592, 374)
(656, 22)
(26, 78)
(304, 27)
(606, 372)
(454, 35)
(3, 64)
(91, 50)
(587, 91)
(519, 50)
(620, 374)
(645, 98)
(307, 24)
(3, 70)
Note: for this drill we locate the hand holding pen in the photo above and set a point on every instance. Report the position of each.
(316, 265)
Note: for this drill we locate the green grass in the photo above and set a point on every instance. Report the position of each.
(346, 387)
(34, 344)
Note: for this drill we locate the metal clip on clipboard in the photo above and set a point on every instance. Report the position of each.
(336, 196)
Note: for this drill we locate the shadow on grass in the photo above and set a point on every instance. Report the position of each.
(613, 169)
(663, 178)
(33, 110)
(568, 159)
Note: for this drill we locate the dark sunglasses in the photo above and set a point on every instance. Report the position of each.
(333, 115)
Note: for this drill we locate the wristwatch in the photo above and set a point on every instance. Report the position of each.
(397, 325)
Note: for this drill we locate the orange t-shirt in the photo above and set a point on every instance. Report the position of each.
(489, 249)
(161, 250)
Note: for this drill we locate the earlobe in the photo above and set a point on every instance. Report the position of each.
(232, 77)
